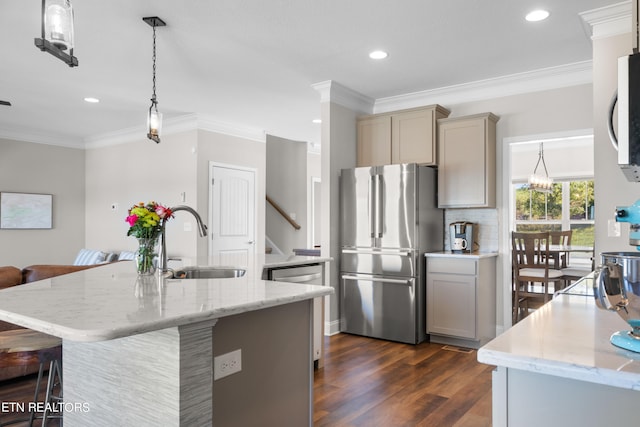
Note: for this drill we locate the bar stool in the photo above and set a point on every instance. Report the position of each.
(22, 347)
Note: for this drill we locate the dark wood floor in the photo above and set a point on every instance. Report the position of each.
(369, 382)
(20, 391)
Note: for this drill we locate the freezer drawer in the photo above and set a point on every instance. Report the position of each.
(380, 307)
(381, 262)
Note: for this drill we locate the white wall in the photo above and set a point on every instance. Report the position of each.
(36, 168)
(141, 171)
(287, 186)
(235, 151)
(565, 158)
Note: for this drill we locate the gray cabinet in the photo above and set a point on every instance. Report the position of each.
(467, 161)
(406, 136)
(461, 296)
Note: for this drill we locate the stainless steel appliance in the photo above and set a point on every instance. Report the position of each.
(627, 141)
(389, 219)
(461, 236)
(617, 288)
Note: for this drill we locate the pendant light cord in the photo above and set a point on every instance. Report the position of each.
(153, 99)
(541, 157)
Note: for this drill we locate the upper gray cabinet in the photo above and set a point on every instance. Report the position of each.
(467, 161)
(406, 136)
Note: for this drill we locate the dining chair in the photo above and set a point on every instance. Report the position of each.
(531, 271)
(561, 238)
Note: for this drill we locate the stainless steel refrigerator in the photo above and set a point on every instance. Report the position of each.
(389, 219)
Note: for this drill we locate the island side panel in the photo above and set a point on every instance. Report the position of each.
(275, 385)
(534, 400)
(157, 378)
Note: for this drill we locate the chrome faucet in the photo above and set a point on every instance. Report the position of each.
(202, 229)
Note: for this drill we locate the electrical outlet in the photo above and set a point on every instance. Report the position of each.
(227, 364)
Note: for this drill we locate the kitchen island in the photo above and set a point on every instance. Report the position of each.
(557, 367)
(140, 352)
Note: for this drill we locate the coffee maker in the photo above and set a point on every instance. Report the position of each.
(461, 236)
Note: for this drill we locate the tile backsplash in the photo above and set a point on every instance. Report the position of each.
(486, 220)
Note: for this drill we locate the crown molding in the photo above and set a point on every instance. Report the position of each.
(46, 138)
(531, 81)
(331, 91)
(209, 124)
(185, 123)
(608, 21)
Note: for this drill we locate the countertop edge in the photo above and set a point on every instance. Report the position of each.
(558, 369)
(78, 335)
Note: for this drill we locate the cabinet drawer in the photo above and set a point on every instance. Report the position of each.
(451, 265)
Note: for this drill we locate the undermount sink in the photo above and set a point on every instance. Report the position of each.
(208, 273)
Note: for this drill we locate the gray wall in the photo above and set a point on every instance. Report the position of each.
(37, 168)
(338, 152)
(611, 187)
(275, 380)
(287, 185)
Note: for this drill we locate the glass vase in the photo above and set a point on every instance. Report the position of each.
(145, 256)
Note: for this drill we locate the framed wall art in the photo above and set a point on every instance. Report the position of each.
(25, 210)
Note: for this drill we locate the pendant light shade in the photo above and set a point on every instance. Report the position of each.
(57, 31)
(540, 183)
(154, 118)
(58, 23)
(154, 122)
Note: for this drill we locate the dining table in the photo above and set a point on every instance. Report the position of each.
(556, 250)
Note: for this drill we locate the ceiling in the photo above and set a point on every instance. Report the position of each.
(252, 63)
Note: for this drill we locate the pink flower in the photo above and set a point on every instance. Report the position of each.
(164, 212)
(131, 219)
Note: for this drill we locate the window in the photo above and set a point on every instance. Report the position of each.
(569, 206)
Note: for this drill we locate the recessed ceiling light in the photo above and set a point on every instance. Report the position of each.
(537, 15)
(378, 54)
(92, 100)
(316, 121)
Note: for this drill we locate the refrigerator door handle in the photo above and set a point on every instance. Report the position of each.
(407, 252)
(380, 205)
(372, 206)
(368, 278)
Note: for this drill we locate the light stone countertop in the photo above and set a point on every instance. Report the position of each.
(568, 337)
(109, 301)
(449, 254)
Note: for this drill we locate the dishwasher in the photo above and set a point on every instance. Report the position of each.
(308, 274)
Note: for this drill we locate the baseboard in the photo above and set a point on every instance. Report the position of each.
(332, 328)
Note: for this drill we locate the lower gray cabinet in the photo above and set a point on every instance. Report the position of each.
(461, 308)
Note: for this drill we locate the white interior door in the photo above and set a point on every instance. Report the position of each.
(232, 210)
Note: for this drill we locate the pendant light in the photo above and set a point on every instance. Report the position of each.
(57, 30)
(154, 118)
(540, 183)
